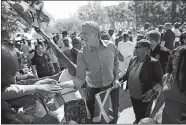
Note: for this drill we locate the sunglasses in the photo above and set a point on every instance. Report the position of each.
(175, 57)
(137, 47)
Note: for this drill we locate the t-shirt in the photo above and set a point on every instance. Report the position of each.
(41, 63)
(61, 45)
(126, 49)
(169, 38)
(134, 81)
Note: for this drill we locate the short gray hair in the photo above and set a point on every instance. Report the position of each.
(93, 25)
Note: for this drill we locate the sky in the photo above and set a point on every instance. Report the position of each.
(63, 9)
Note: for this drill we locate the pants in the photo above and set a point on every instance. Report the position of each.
(90, 100)
(56, 67)
(141, 109)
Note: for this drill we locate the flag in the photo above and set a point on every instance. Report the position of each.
(33, 15)
(103, 112)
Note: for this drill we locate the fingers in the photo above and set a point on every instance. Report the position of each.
(47, 81)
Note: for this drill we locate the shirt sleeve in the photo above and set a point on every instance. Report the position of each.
(165, 37)
(80, 70)
(33, 61)
(158, 72)
(16, 91)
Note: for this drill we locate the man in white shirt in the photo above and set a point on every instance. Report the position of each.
(112, 38)
(126, 48)
(61, 42)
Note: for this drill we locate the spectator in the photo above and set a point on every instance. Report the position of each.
(66, 43)
(169, 37)
(41, 63)
(174, 90)
(112, 38)
(119, 38)
(144, 75)
(158, 51)
(72, 53)
(130, 36)
(105, 35)
(160, 29)
(53, 58)
(56, 38)
(10, 67)
(183, 38)
(177, 35)
(126, 48)
(63, 43)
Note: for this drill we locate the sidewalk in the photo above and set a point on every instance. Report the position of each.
(126, 116)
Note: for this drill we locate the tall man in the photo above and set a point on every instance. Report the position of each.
(159, 52)
(169, 37)
(100, 59)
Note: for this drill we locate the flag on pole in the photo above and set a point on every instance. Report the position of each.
(32, 14)
(103, 112)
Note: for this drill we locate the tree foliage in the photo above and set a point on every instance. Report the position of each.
(93, 11)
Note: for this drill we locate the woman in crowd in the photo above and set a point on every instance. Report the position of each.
(144, 76)
(174, 91)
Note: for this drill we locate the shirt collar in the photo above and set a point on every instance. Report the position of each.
(101, 43)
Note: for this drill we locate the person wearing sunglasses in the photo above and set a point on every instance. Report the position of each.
(144, 75)
(174, 90)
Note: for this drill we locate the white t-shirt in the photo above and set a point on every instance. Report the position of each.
(65, 76)
(126, 49)
(112, 38)
(177, 34)
(61, 45)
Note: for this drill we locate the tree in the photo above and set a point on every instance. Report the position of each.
(11, 21)
(117, 13)
(72, 24)
(93, 11)
(157, 12)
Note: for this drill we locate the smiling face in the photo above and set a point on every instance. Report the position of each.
(89, 35)
(140, 51)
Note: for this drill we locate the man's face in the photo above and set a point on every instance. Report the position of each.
(66, 42)
(40, 49)
(89, 36)
(153, 43)
(77, 45)
(140, 50)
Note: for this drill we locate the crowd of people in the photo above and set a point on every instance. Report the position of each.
(151, 66)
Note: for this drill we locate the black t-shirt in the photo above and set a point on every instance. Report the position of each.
(169, 37)
(41, 63)
(162, 54)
